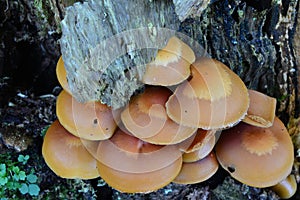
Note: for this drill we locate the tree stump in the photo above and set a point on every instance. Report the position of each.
(254, 39)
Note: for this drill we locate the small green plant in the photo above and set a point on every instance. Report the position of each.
(44, 130)
(13, 178)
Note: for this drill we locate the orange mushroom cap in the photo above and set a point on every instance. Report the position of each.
(146, 118)
(215, 97)
(261, 111)
(202, 145)
(90, 121)
(131, 165)
(171, 65)
(196, 172)
(66, 155)
(61, 75)
(259, 157)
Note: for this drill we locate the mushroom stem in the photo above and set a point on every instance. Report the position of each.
(286, 188)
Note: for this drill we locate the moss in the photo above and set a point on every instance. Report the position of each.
(232, 190)
(294, 130)
(50, 13)
(43, 15)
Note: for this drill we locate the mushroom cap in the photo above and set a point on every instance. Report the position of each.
(130, 165)
(90, 121)
(139, 182)
(215, 97)
(61, 75)
(197, 140)
(261, 111)
(259, 157)
(146, 118)
(66, 155)
(200, 147)
(196, 172)
(286, 188)
(171, 65)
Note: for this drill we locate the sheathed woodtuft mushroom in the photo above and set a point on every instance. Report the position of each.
(90, 121)
(286, 188)
(215, 97)
(199, 171)
(66, 155)
(171, 65)
(131, 165)
(61, 75)
(198, 145)
(259, 157)
(261, 111)
(146, 118)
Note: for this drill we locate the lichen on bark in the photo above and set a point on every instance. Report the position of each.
(105, 46)
(190, 8)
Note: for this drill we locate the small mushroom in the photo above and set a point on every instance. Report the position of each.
(171, 65)
(215, 97)
(66, 155)
(131, 165)
(259, 157)
(203, 143)
(146, 118)
(196, 172)
(286, 188)
(261, 111)
(61, 75)
(90, 121)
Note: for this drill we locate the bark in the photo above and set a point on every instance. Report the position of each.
(105, 46)
(258, 40)
(253, 38)
(189, 8)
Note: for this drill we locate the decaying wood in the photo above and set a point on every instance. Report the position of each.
(189, 8)
(252, 39)
(260, 42)
(296, 48)
(106, 44)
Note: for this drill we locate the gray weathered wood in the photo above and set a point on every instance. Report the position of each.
(106, 44)
(252, 39)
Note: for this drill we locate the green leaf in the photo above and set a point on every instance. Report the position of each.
(43, 132)
(3, 180)
(16, 169)
(16, 177)
(13, 185)
(17, 185)
(20, 158)
(23, 159)
(34, 189)
(24, 188)
(2, 169)
(22, 175)
(26, 157)
(31, 178)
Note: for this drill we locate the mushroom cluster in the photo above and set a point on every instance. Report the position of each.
(167, 133)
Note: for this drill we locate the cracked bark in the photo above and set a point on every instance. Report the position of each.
(254, 39)
(259, 41)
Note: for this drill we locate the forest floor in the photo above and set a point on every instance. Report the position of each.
(24, 120)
